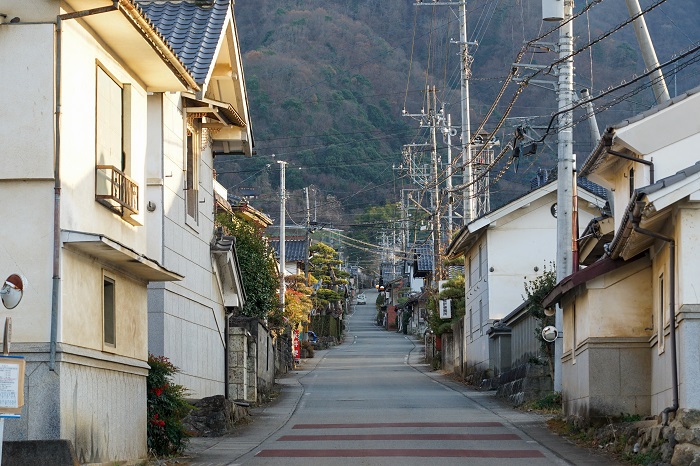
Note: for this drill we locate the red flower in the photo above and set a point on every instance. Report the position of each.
(157, 422)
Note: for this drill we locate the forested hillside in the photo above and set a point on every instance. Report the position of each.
(328, 80)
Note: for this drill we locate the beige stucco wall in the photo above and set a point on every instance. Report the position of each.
(688, 253)
(605, 365)
(27, 99)
(96, 396)
(27, 248)
(80, 211)
(81, 307)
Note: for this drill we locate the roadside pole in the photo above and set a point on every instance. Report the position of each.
(566, 165)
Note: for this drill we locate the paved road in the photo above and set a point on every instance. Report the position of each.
(372, 401)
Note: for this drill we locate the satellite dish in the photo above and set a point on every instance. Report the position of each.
(11, 291)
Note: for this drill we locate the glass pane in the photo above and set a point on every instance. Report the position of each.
(109, 329)
(109, 121)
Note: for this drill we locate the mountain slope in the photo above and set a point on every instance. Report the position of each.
(328, 80)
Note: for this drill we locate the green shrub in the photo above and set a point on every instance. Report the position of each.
(167, 408)
(551, 401)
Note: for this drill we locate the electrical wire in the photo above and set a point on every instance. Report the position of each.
(410, 63)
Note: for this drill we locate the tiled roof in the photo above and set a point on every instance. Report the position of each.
(191, 27)
(294, 249)
(544, 177)
(671, 180)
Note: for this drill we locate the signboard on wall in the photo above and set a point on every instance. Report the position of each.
(445, 308)
(11, 384)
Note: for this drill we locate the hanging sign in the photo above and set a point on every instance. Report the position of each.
(445, 308)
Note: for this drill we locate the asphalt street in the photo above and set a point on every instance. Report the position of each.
(373, 401)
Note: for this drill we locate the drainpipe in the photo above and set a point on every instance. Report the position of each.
(56, 278)
(648, 163)
(636, 217)
(228, 315)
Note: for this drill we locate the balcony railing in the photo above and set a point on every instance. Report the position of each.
(115, 190)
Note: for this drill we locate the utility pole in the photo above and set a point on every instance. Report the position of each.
(590, 113)
(469, 202)
(283, 239)
(447, 132)
(308, 235)
(566, 164)
(466, 72)
(658, 83)
(432, 115)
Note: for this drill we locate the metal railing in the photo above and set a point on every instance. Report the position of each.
(116, 190)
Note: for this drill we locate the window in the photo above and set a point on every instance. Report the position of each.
(113, 187)
(108, 313)
(631, 179)
(471, 325)
(481, 317)
(469, 272)
(109, 122)
(481, 258)
(192, 174)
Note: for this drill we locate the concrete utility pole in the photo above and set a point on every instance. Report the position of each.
(469, 203)
(647, 47)
(432, 115)
(590, 113)
(283, 239)
(447, 132)
(308, 235)
(566, 164)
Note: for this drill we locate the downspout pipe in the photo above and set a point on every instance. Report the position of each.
(227, 334)
(636, 218)
(648, 163)
(56, 276)
(56, 272)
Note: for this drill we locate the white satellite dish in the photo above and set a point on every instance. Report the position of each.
(11, 292)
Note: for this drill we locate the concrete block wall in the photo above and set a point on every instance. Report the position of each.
(237, 363)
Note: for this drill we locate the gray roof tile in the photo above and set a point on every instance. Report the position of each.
(294, 249)
(191, 27)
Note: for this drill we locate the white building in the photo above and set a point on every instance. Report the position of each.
(78, 85)
(187, 319)
(502, 251)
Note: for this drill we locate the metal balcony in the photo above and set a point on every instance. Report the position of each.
(115, 190)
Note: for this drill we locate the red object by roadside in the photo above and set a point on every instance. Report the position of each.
(296, 345)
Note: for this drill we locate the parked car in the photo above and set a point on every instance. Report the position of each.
(361, 299)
